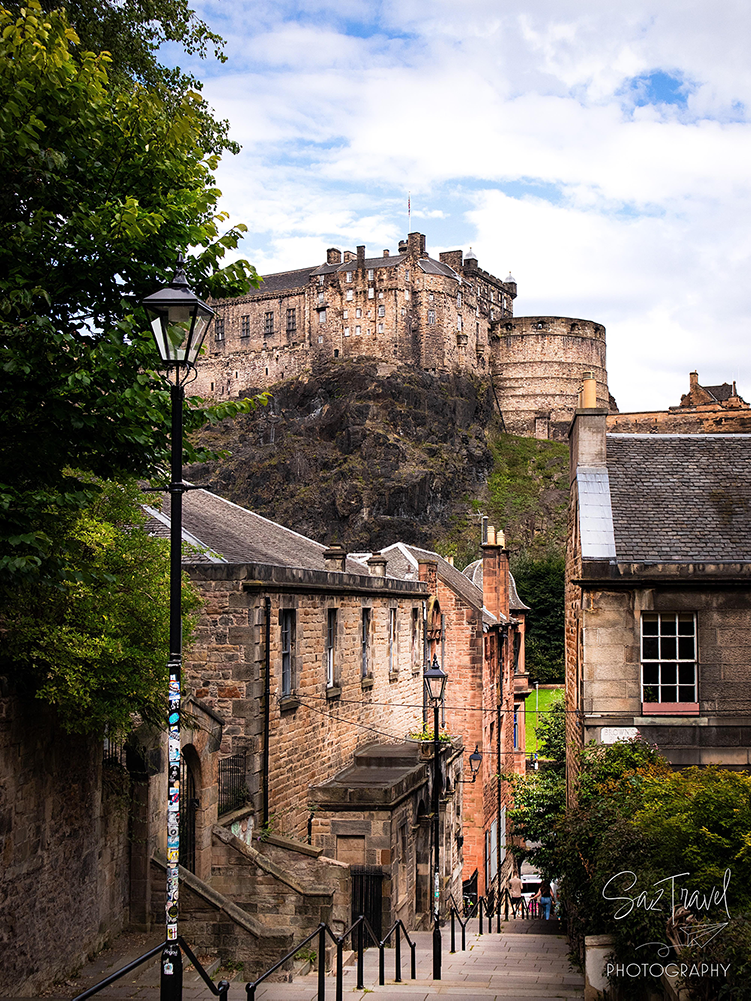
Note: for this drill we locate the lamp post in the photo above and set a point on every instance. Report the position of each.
(435, 683)
(179, 321)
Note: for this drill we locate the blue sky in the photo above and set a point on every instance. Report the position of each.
(598, 151)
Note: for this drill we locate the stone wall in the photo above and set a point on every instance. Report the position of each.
(709, 419)
(64, 848)
(315, 730)
(537, 364)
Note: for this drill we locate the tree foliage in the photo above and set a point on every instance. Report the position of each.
(100, 185)
(540, 583)
(94, 647)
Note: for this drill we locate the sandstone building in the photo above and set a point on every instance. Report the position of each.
(406, 309)
(658, 591)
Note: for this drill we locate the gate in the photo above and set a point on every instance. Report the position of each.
(188, 807)
(367, 895)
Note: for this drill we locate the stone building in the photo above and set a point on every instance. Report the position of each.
(314, 661)
(658, 592)
(475, 626)
(703, 410)
(406, 309)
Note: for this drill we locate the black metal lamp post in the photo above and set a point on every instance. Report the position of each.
(179, 321)
(435, 683)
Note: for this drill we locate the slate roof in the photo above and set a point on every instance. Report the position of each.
(431, 267)
(680, 498)
(720, 393)
(284, 280)
(403, 563)
(515, 603)
(237, 535)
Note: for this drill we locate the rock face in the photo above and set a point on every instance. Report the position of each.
(353, 456)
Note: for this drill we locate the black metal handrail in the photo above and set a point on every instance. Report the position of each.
(398, 925)
(220, 990)
(362, 927)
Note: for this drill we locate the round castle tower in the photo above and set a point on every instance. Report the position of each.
(537, 363)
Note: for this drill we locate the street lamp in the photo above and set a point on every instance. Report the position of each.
(435, 683)
(475, 760)
(179, 321)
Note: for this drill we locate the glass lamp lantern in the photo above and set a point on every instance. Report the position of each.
(435, 681)
(179, 320)
(475, 760)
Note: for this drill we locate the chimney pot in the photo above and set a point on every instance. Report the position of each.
(589, 391)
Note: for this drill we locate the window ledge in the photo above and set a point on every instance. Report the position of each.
(367, 682)
(288, 702)
(393, 675)
(670, 708)
(333, 692)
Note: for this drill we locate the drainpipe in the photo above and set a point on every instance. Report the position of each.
(502, 647)
(443, 663)
(266, 716)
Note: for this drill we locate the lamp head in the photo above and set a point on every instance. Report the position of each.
(475, 760)
(179, 319)
(435, 681)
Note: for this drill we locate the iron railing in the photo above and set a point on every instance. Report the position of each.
(219, 990)
(233, 788)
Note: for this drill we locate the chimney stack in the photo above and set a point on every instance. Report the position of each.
(377, 564)
(495, 574)
(333, 256)
(360, 258)
(336, 558)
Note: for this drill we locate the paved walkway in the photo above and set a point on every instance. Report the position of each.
(525, 962)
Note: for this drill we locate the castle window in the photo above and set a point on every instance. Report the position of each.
(403, 311)
(322, 316)
(320, 279)
(371, 293)
(371, 274)
(336, 352)
(349, 276)
(365, 670)
(393, 664)
(358, 329)
(345, 314)
(381, 310)
(380, 295)
(350, 294)
(406, 275)
(346, 331)
(291, 321)
(219, 328)
(245, 326)
(430, 296)
(458, 300)
(380, 328)
(320, 296)
(431, 316)
(358, 314)
(406, 293)
(459, 323)
(477, 329)
(320, 341)
(268, 323)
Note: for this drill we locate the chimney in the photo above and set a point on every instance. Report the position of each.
(336, 558)
(428, 572)
(360, 258)
(587, 445)
(377, 564)
(495, 582)
(693, 379)
(451, 257)
(416, 244)
(333, 256)
(386, 253)
(589, 391)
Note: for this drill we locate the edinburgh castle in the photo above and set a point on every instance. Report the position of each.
(407, 309)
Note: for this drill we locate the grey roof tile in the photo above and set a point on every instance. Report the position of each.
(681, 498)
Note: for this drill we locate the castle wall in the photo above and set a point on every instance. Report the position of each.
(537, 364)
(441, 316)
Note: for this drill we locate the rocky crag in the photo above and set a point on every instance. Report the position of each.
(365, 456)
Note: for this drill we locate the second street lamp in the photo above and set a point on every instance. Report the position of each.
(179, 321)
(435, 684)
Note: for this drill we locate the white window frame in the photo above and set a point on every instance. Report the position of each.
(669, 658)
(330, 653)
